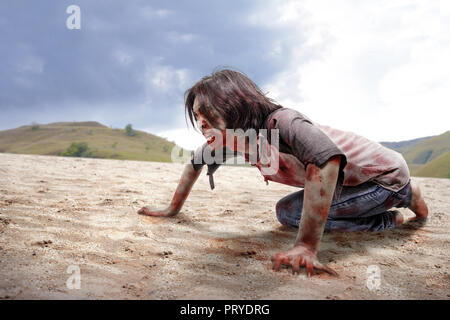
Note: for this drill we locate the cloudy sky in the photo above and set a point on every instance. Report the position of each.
(377, 68)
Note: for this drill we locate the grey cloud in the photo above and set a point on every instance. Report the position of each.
(130, 62)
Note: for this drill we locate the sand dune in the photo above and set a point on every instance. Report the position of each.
(58, 212)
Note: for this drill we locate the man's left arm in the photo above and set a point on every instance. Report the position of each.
(320, 184)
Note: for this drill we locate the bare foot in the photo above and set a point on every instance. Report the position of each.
(418, 205)
(399, 218)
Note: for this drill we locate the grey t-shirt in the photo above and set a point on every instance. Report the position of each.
(297, 136)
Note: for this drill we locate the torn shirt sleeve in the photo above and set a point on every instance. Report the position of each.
(310, 144)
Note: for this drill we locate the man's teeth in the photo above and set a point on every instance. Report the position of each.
(210, 139)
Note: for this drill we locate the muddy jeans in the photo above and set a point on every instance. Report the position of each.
(360, 208)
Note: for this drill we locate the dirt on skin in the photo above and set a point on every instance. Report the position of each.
(57, 213)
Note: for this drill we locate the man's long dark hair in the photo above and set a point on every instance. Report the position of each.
(235, 97)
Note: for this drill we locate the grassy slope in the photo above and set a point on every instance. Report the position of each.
(105, 142)
(438, 167)
(403, 146)
(429, 149)
(425, 156)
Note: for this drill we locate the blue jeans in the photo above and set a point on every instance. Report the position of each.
(360, 208)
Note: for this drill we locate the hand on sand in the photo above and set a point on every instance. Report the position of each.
(297, 257)
(147, 211)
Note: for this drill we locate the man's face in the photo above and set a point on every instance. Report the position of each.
(211, 126)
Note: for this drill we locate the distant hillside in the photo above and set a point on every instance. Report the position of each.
(403, 146)
(427, 156)
(438, 167)
(429, 149)
(103, 142)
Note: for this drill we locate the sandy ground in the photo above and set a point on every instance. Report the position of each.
(59, 212)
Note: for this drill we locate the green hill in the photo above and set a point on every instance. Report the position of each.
(403, 146)
(102, 142)
(438, 167)
(426, 157)
(429, 149)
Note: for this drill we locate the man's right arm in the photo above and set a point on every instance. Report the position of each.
(187, 180)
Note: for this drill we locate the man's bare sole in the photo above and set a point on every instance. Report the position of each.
(417, 205)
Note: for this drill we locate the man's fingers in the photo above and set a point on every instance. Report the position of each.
(276, 265)
(144, 211)
(329, 270)
(309, 268)
(298, 260)
(147, 212)
(296, 265)
(276, 262)
(141, 211)
(324, 268)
